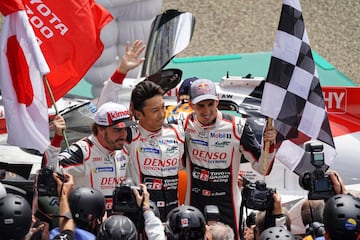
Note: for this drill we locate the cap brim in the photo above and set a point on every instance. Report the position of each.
(124, 124)
(204, 97)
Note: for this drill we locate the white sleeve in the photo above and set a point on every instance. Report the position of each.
(51, 155)
(110, 93)
(153, 226)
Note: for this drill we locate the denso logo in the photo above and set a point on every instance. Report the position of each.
(113, 181)
(209, 155)
(220, 135)
(154, 162)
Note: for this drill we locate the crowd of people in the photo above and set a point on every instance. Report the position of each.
(138, 151)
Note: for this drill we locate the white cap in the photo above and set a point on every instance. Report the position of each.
(114, 115)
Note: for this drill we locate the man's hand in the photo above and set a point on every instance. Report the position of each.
(339, 186)
(58, 125)
(240, 180)
(277, 204)
(143, 199)
(38, 230)
(130, 59)
(64, 188)
(249, 232)
(270, 134)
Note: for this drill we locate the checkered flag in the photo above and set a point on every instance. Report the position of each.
(292, 93)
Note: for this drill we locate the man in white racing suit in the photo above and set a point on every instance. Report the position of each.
(155, 148)
(215, 144)
(98, 161)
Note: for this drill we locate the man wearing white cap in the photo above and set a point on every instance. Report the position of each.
(98, 161)
(215, 144)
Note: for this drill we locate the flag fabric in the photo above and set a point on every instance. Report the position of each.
(292, 93)
(22, 66)
(68, 33)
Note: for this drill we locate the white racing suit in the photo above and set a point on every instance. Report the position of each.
(91, 164)
(213, 155)
(155, 157)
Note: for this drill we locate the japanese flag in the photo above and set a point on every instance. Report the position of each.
(22, 67)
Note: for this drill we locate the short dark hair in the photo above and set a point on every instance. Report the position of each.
(312, 211)
(143, 91)
(95, 128)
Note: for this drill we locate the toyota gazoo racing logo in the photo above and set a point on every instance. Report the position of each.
(211, 176)
(153, 183)
(201, 174)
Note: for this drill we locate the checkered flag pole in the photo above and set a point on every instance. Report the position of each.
(292, 93)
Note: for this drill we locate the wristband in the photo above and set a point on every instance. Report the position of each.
(118, 77)
(56, 141)
(146, 209)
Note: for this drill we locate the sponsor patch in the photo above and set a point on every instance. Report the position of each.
(350, 224)
(160, 204)
(168, 141)
(103, 169)
(221, 135)
(199, 142)
(206, 192)
(221, 144)
(148, 150)
(184, 222)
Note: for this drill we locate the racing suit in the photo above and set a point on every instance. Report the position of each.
(155, 157)
(213, 155)
(91, 164)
